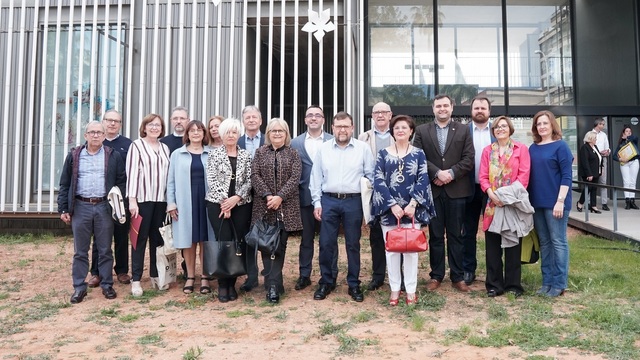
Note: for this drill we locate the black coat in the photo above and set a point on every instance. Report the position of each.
(589, 164)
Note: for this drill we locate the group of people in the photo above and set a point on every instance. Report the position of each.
(215, 180)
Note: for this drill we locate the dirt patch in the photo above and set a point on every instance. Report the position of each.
(170, 325)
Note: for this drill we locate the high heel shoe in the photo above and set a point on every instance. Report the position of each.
(205, 289)
(394, 301)
(412, 301)
(595, 210)
(188, 289)
(578, 207)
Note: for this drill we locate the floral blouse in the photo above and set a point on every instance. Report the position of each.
(397, 181)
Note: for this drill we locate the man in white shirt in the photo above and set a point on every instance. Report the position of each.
(602, 142)
(335, 192)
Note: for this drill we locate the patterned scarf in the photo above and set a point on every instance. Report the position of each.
(499, 174)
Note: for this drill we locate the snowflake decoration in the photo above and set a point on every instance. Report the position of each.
(319, 24)
(215, 2)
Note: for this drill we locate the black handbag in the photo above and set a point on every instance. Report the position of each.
(264, 236)
(224, 258)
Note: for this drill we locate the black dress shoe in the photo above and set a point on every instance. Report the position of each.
(248, 285)
(356, 293)
(223, 294)
(375, 285)
(233, 294)
(322, 292)
(605, 207)
(302, 283)
(468, 277)
(78, 296)
(272, 295)
(493, 293)
(109, 293)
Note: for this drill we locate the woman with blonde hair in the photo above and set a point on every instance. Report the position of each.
(589, 169)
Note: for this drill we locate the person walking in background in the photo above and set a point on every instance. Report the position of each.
(402, 193)
(186, 189)
(147, 170)
(112, 123)
(229, 194)
(448, 146)
(214, 135)
(307, 145)
(589, 169)
(628, 166)
(275, 175)
(179, 120)
(335, 190)
(88, 173)
(602, 142)
(549, 185)
(482, 135)
(378, 138)
(503, 164)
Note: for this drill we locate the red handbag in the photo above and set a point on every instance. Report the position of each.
(406, 240)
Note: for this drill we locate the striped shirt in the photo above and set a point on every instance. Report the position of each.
(147, 172)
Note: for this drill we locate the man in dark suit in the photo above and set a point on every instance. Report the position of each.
(307, 145)
(450, 158)
(179, 121)
(480, 130)
(252, 139)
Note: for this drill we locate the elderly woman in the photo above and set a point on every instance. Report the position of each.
(275, 175)
(147, 170)
(503, 164)
(214, 135)
(549, 185)
(186, 189)
(628, 166)
(589, 169)
(402, 192)
(229, 194)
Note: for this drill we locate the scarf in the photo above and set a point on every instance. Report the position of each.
(499, 174)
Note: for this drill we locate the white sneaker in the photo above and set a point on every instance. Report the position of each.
(136, 289)
(154, 284)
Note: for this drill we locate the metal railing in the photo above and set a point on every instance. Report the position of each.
(614, 198)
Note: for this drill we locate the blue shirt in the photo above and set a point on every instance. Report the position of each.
(550, 168)
(91, 173)
(339, 170)
(252, 144)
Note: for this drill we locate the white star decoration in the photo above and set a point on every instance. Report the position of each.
(215, 2)
(319, 24)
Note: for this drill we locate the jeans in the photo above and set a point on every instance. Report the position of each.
(554, 248)
(347, 212)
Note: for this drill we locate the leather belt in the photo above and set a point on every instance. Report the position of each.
(342, 196)
(91, 200)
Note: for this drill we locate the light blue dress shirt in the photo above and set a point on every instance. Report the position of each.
(91, 174)
(339, 170)
(252, 144)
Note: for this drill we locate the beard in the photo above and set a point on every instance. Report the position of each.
(480, 119)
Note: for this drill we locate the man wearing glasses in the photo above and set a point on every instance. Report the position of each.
(179, 121)
(335, 191)
(112, 122)
(378, 138)
(307, 145)
(89, 172)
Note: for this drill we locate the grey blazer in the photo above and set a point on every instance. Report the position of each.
(307, 163)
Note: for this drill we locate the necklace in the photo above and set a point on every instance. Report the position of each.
(399, 175)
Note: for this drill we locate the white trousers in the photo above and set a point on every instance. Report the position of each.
(409, 265)
(629, 175)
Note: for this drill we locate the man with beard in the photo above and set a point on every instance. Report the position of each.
(335, 190)
(480, 129)
(449, 149)
(179, 121)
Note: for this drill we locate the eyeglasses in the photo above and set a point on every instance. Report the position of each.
(152, 125)
(380, 112)
(195, 131)
(112, 121)
(502, 127)
(342, 127)
(95, 133)
(317, 116)
(277, 131)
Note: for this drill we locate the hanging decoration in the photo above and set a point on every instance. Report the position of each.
(319, 24)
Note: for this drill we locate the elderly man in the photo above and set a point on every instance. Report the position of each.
(335, 191)
(179, 121)
(378, 138)
(450, 158)
(89, 172)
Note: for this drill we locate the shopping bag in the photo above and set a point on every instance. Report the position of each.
(167, 267)
(167, 236)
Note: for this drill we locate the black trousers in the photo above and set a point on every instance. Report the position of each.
(501, 278)
(592, 192)
(449, 221)
(153, 213)
(474, 207)
(274, 276)
(378, 253)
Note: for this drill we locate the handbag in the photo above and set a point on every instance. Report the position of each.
(224, 258)
(530, 249)
(406, 240)
(264, 236)
(167, 269)
(167, 236)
